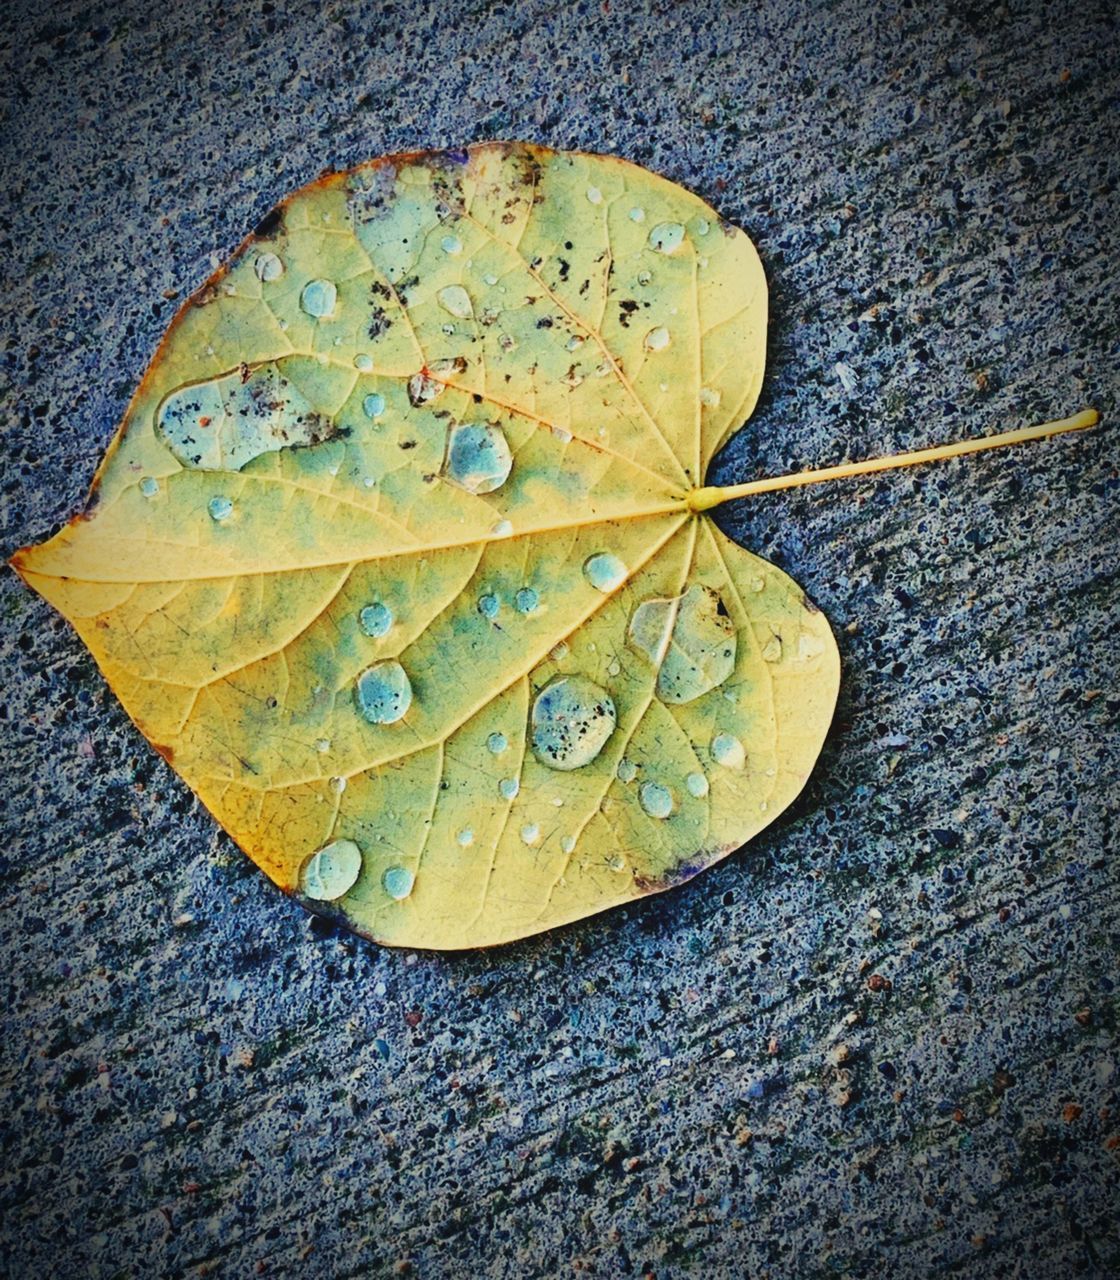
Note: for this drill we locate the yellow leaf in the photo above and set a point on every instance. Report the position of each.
(398, 554)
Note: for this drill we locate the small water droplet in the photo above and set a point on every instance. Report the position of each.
(562, 434)
(465, 837)
(655, 799)
(530, 833)
(571, 721)
(220, 508)
(762, 806)
(502, 529)
(702, 226)
(376, 619)
(451, 245)
(331, 871)
(363, 362)
(637, 215)
(322, 745)
(627, 771)
(268, 267)
(709, 397)
(318, 298)
(667, 237)
(728, 751)
(508, 788)
(657, 339)
(616, 862)
(455, 300)
(149, 486)
(490, 279)
(384, 692)
(575, 342)
(604, 571)
(398, 882)
(488, 605)
(644, 277)
(338, 785)
(772, 649)
(374, 405)
(697, 785)
(614, 667)
(526, 600)
(594, 195)
(478, 457)
(758, 583)
(568, 844)
(496, 743)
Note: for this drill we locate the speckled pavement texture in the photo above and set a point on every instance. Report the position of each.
(879, 1041)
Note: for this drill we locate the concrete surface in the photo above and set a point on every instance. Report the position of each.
(880, 1041)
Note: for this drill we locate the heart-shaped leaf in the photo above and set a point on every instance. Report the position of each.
(395, 554)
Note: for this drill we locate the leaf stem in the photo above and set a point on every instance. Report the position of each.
(712, 495)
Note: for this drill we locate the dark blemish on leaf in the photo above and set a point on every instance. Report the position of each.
(380, 290)
(379, 322)
(568, 245)
(545, 322)
(408, 444)
(584, 287)
(476, 398)
(721, 608)
(565, 268)
(626, 310)
(271, 225)
(168, 753)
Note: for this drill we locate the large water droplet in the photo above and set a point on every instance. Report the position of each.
(526, 600)
(455, 300)
(478, 457)
(268, 267)
(496, 743)
(728, 751)
(655, 799)
(374, 405)
(604, 571)
(398, 882)
(697, 785)
(692, 641)
(331, 871)
(657, 339)
(667, 237)
(384, 692)
(220, 508)
(318, 298)
(571, 722)
(376, 619)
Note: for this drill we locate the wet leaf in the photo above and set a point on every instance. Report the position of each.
(393, 557)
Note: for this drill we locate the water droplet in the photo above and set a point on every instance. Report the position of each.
(496, 743)
(655, 799)
(616, 862)
(692, 641)
(478, 457)
(398, 882)
(455, 300)
(502, 529)
(697, 785)
(363, 362)
(702, 226)
(318, 298)
(772, 649)
(508, 788)
(637, 215)
(490, 279)
(644, 277)
(530, 833)
(322, 745)
(465, 837)
(568, 844)
(488, 605)
(374, 405)
(452, 245)
(657, 339)
(423, 387)
(758, 583)
(574, 342)
(526, 600)
(627, 771)
(594, 195)
(728, 751)
(149, 486)
(376, 619)
(220, 508)
(709, 397)
(384, 692)
(614, 667)
(331, 871)
(337, 785)
(604, 571)
(268, 267)
(667, 237)
(571, 722)
(562, 434)
(559, 651)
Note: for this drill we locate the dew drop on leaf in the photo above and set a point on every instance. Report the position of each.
(376, 619)
(220, 508)
(530, 833)
(697, 785)
(508, 788)
(657, 339)
(655, 799)
(772, 649)
(526, 600)
(478, 457)
(338, 785)
(149, 486)
(604, 571)
(465, 837)
(594, 195)
(456, 301)
(331, 871)
(496, 743)
(384, 692)
(268, 267)
(488, 605)
(363, 362)
(667, 237)
(709, 397)
(627, 770)
(318, 298)
(374, 405)
(637, 215)
(728, 751)
(451, 245)
(397, 882)
(568, 844)
(571, 722)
